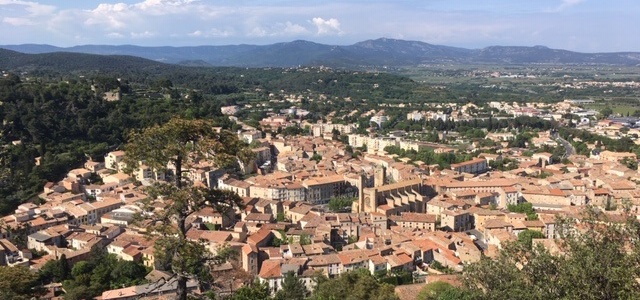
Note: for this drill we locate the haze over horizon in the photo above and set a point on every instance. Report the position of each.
(577, 25)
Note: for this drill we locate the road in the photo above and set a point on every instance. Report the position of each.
(569, 150)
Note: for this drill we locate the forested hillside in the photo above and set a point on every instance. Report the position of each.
(54, 113)
(64, 123)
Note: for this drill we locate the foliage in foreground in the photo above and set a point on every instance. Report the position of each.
(355, 285)
(18, 283)
(181, 143)
(440, 290)
(599, 262)
(89, 278)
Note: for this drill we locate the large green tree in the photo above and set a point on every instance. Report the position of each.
(100, 272)
(255, 291)
(356, 285)
(180, 143)
(526, 237)
(440, 290)
(18, 283)
(601, 260)
(292, 288)
(337, 204)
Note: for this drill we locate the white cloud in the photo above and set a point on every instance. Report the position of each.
(34, 8)
(330, 26)
(116, 35)
(142, 35)
(258, 32)
(213, 32)
(164, 7)
(294, 29)
(567, 4)
(256, 29)
(18, 21)
(196, 33)
(26, 13)
(112, 16)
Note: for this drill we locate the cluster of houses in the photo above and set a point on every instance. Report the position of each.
(405, 215)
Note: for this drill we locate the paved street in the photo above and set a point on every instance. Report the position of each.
(569, 150)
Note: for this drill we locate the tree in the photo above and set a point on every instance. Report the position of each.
(127, 273)
(355, 285)
(55, 270)
(630, 163)
(79, 292)
(606, 112)
(316, 157)
(18, 283)
(280, 217)
(65, 269)
(624, 130)
(292, 288)
(280, 238)
(524, 208)
(457, 294)
(292, 130)
(305, 239)
(526, 237)
(101, 272)
(433, 290)
(338, 204)
(180, 143)
(600, 261)
(255, 291)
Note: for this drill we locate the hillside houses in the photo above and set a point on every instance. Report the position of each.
(405, 215)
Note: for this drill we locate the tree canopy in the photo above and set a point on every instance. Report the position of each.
(181, 142)
(89, 278)
(255, 291)
(292, 288)
(440, 290)
(599, 260)
(355, 285)
(18, 283)
(338, 204)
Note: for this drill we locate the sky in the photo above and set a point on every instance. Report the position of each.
(577, 25)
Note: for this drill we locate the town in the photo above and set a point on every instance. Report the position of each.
(419, 194)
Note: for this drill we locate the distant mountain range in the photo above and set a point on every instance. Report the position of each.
(371, 53)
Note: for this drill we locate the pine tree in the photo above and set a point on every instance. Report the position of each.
(180, 143)
(292, 288)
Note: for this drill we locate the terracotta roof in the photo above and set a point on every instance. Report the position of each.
(469, 162)
(414, 217)
(398, 259)
(247, 248)
(534, 223)
(488, 183)
(271, 269)
(323, 260)
(352, 256)
(258, 217)
(496, 223)
(132, 250)
(259, 236)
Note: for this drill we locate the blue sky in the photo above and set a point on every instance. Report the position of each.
(579, 25)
